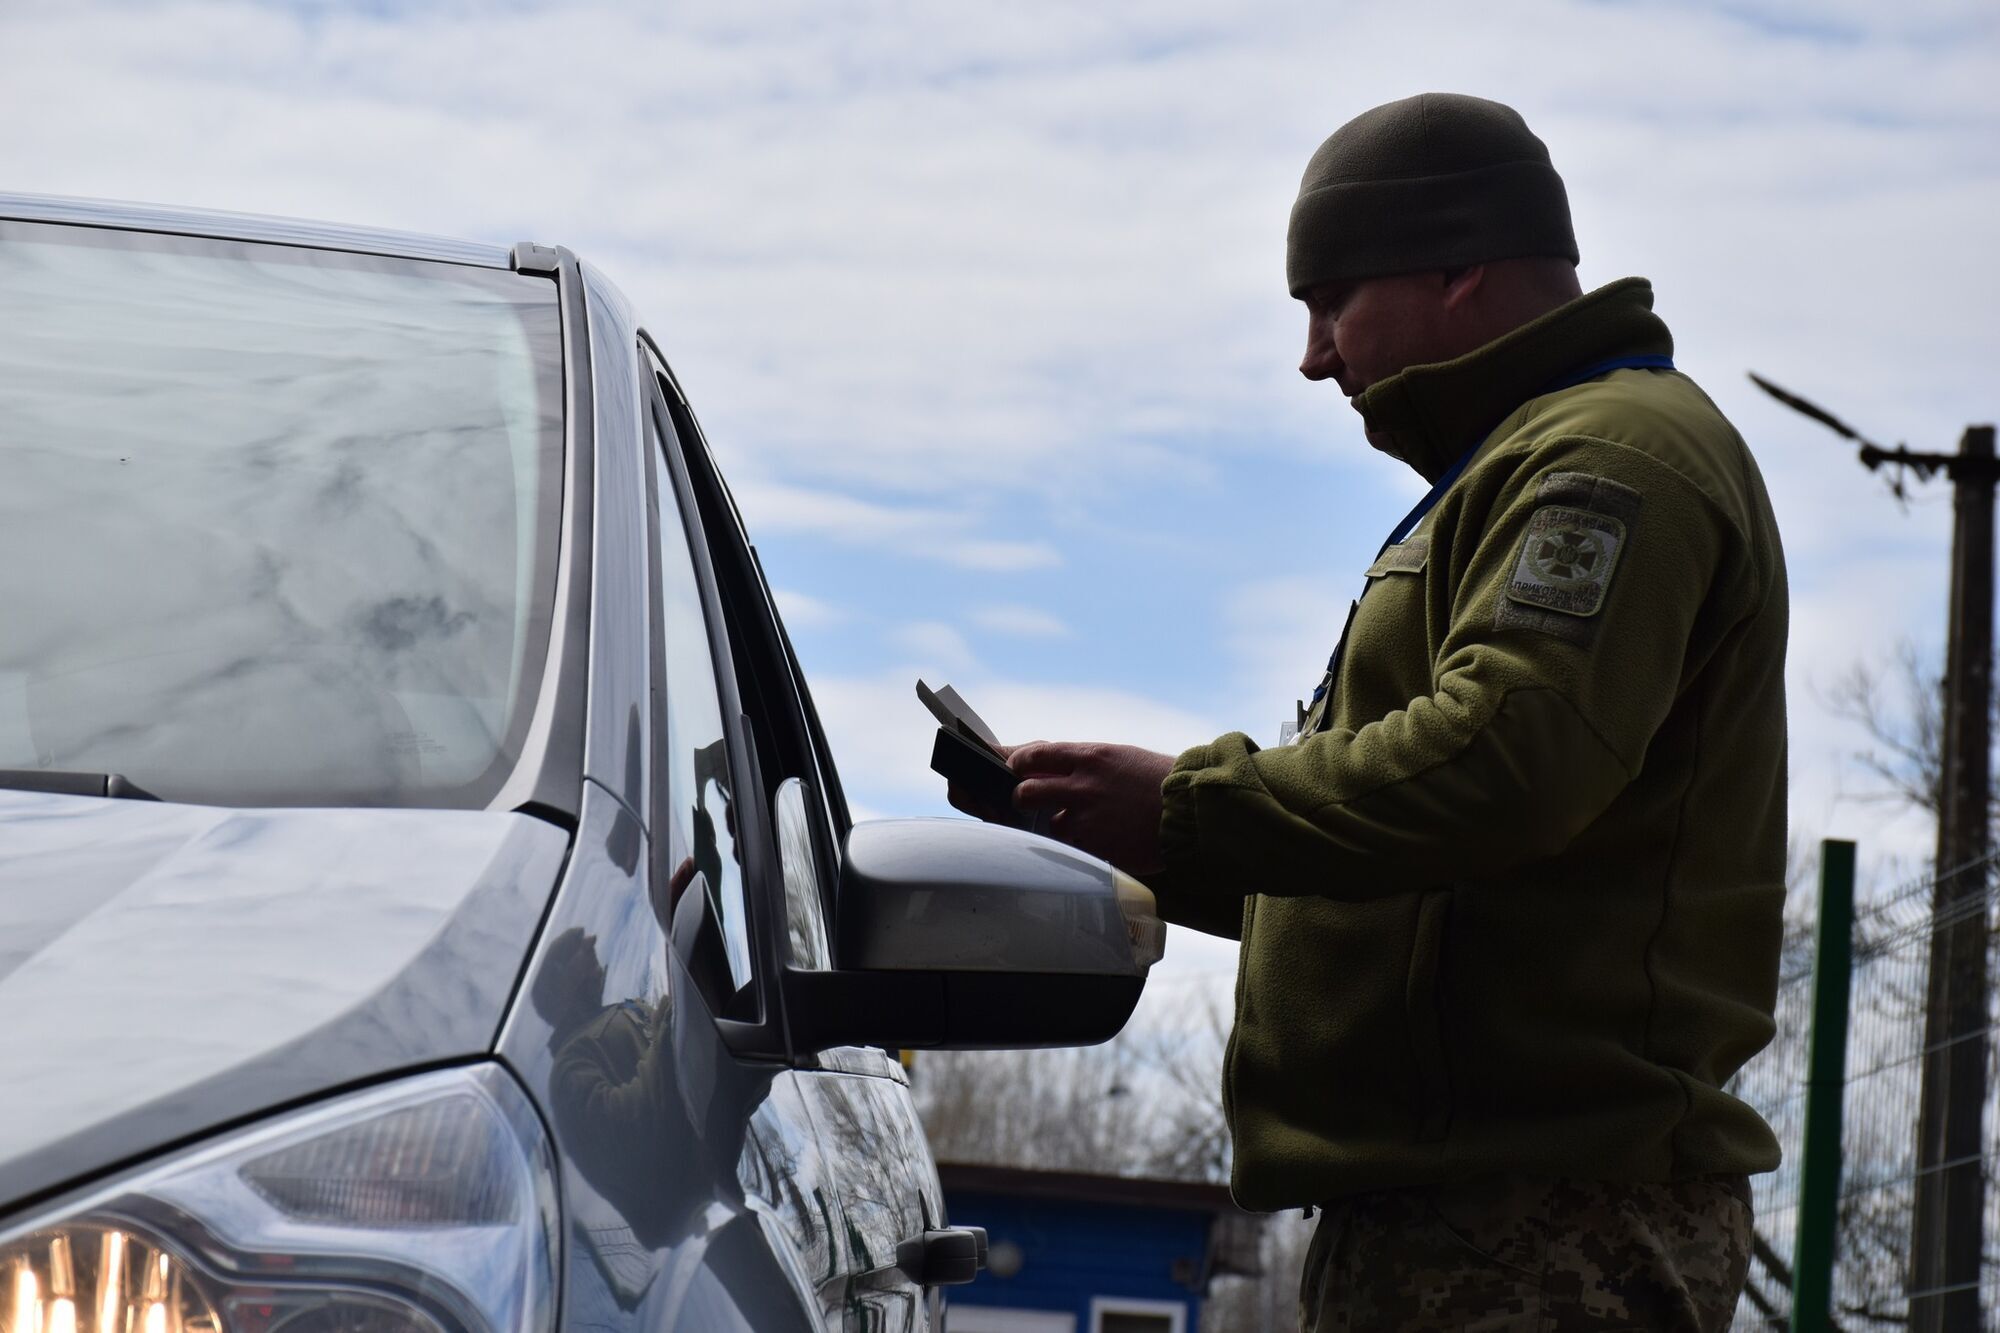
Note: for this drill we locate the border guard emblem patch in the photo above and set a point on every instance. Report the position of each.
(1567, 560)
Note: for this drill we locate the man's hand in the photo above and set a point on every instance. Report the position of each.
(1104, 799)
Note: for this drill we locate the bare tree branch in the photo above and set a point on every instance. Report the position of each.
(1901, 708)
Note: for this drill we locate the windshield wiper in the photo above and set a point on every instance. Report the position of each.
(73, 784)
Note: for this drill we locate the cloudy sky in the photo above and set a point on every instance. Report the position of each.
(983, 305)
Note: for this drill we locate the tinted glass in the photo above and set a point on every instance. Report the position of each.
(709, 923)
(277, 526)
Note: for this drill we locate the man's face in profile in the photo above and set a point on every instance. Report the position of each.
(1367, 329)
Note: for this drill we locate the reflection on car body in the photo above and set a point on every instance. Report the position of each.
(499, 953)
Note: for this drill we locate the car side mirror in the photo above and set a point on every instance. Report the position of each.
(954, 934)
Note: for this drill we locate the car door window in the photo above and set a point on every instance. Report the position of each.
(807, 813)
(711, 927)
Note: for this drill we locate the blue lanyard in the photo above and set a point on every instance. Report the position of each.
(1401, 530)
(1429, 502)
(1425, 505)
(1649, 362)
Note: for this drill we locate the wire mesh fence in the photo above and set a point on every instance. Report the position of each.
(1914, 1247)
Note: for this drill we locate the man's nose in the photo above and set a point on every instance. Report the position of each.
(1321, 361)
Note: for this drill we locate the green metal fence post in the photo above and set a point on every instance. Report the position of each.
(1826, 1080)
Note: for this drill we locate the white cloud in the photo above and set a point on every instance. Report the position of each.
(1280, 631)
(1026, 622)
(996, 556)
(934, 645)
(802, 611)
(1840, 622)
(1030, 710)
(1032, 249)
(937, 534)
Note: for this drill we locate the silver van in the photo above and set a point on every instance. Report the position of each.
(427, 901)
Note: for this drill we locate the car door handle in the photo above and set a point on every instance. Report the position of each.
(943, 1258)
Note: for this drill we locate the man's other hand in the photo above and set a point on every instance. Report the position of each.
(1102, 798)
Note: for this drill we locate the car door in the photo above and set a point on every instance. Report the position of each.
(669, 1138)
(875, 1149)
(877, 1164)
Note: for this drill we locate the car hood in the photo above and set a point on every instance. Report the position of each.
(167, 969)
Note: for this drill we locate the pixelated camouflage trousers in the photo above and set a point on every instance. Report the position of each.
(1519, 1253)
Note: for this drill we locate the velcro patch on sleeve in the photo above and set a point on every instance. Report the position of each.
(1567, 560)
(1407, 557)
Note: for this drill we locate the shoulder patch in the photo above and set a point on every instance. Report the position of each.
(1600, 495)
(1407, 557)
(1567, 560)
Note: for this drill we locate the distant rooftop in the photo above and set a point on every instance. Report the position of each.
(1234, 1234)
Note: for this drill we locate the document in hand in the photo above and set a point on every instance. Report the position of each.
(956, 716)
(967, 752)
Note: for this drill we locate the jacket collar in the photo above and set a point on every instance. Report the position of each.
(1431, 414)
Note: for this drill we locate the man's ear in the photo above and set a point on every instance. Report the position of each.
(1461, 285)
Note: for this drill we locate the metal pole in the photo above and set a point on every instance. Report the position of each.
(1826, 1084)
(1948, 1220)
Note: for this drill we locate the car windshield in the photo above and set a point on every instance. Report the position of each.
(278, 526)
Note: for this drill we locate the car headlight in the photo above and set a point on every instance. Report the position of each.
(424, 1206)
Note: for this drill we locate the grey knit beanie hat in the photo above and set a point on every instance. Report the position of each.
(1439, 180)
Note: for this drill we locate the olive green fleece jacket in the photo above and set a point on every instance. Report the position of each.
(1515, 904)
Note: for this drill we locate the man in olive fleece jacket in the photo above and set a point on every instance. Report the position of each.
(1510, 903)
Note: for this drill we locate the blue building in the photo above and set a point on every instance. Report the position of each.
(1076, 1253)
